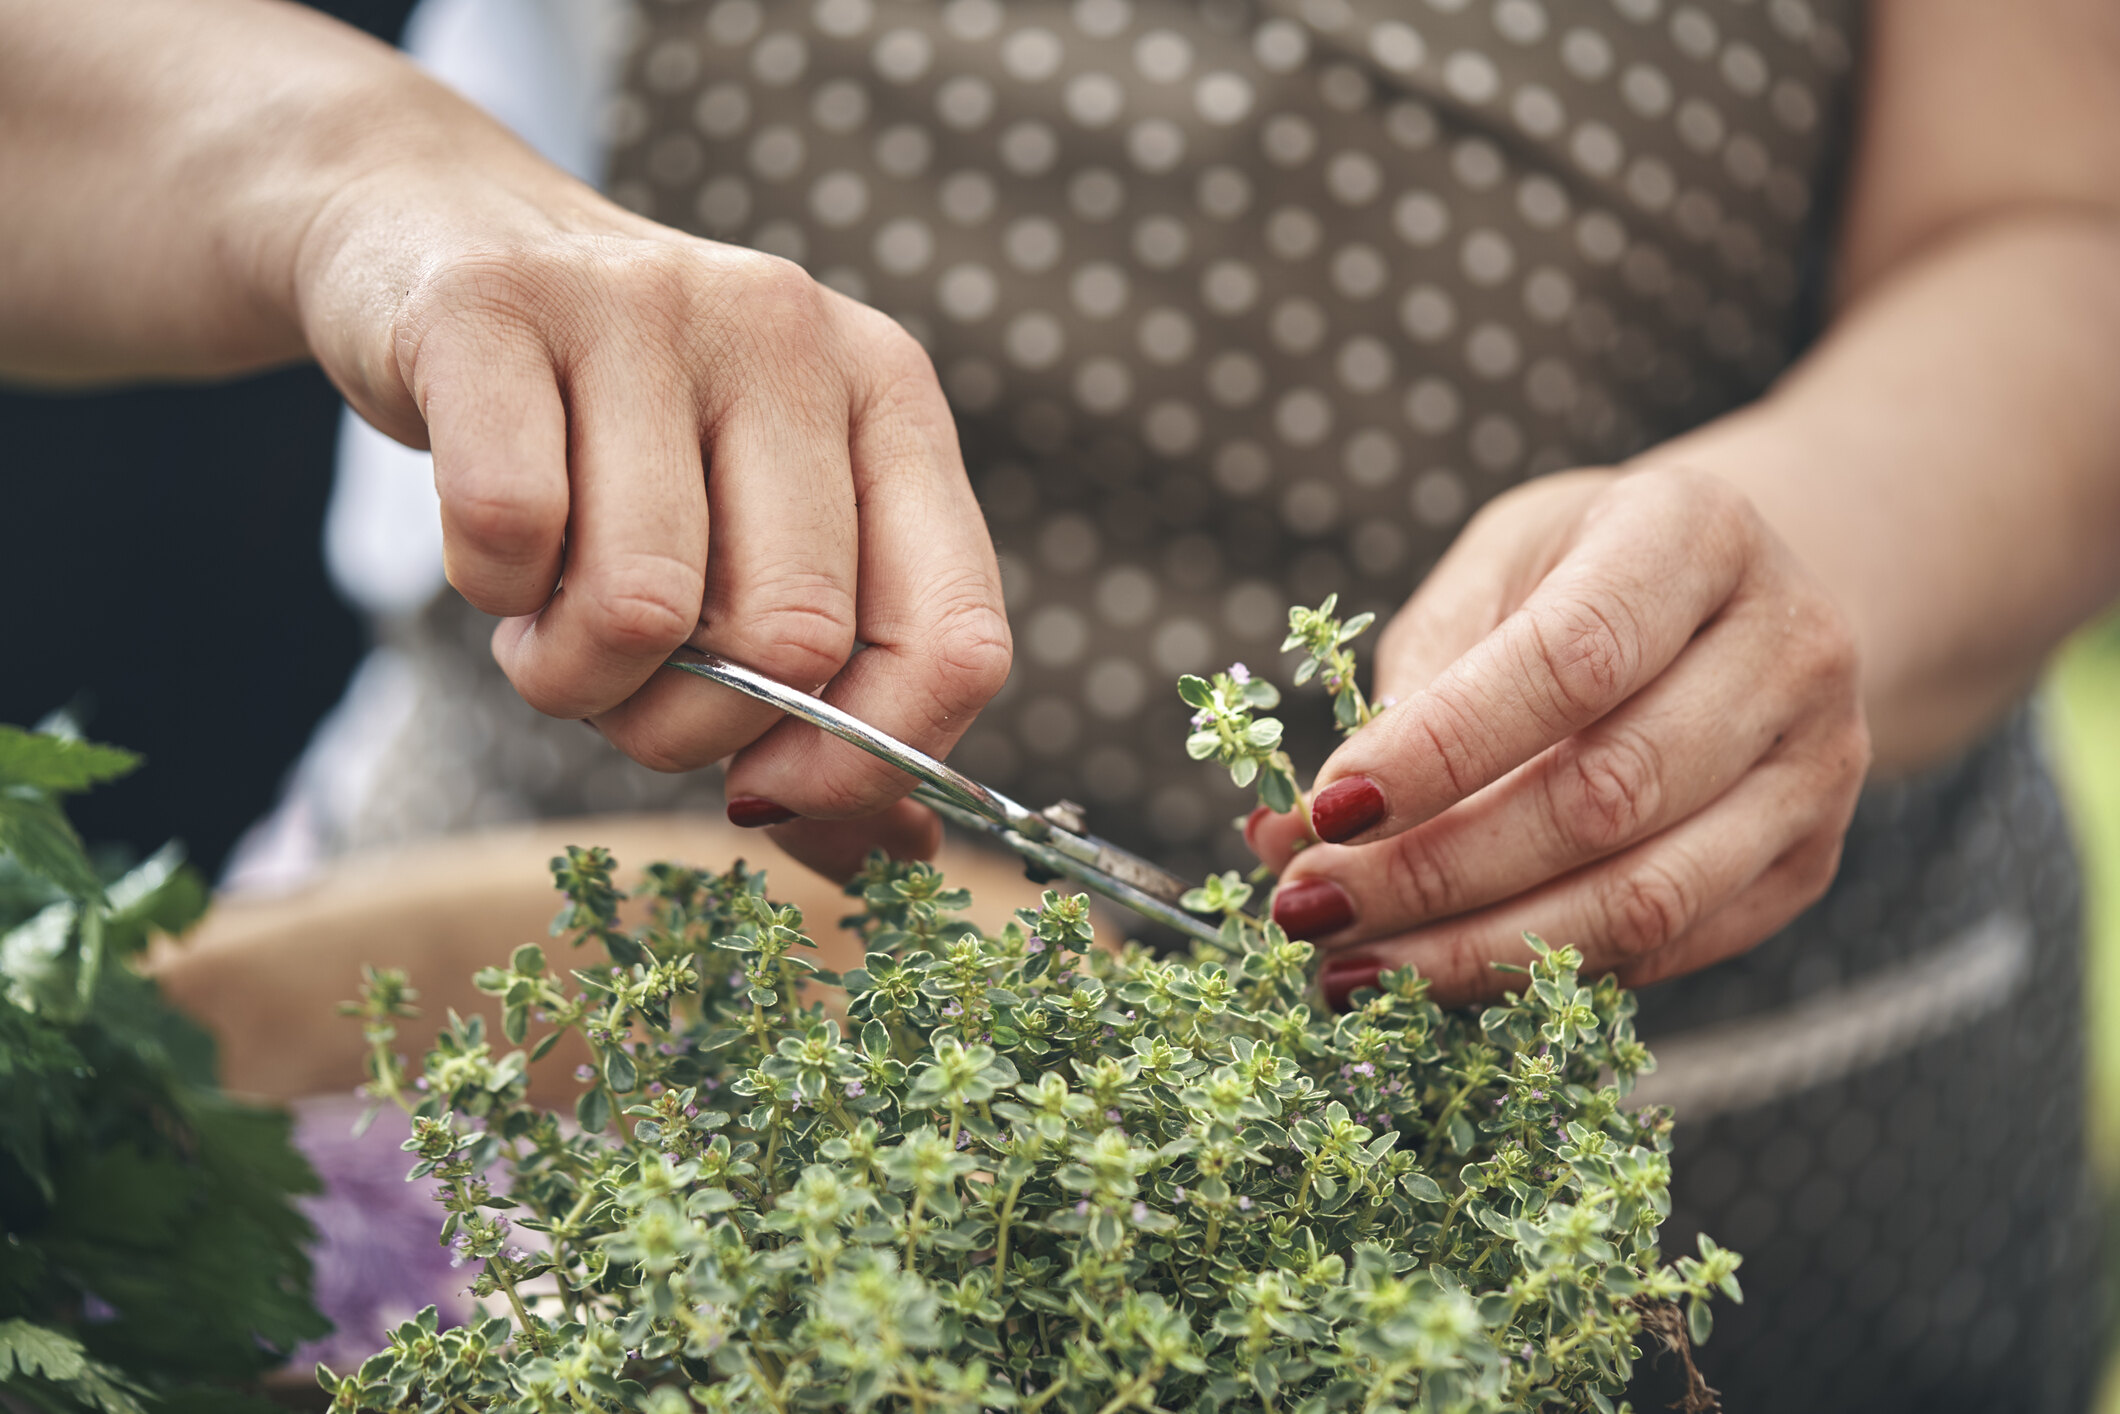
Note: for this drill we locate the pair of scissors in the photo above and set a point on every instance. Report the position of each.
(1054, 841)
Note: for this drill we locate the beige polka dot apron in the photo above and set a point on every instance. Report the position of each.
(1242, 303)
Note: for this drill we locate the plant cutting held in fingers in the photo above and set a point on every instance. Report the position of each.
(1020, 1171)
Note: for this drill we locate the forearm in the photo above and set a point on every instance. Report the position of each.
(1947, 459)
(165, 161)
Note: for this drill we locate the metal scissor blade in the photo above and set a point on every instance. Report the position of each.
(1118, 874)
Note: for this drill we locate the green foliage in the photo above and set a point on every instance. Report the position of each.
(1226, 725)
(1018, 1171)
(152, 1256)
(1324, 639)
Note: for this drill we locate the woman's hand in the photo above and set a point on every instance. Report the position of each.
(640, 439)
(1626, 719)
(643, 440)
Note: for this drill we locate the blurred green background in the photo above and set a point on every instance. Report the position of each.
(2083, 692)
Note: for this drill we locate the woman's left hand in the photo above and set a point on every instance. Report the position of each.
(1626, 719)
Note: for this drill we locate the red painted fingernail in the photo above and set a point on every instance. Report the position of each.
(1343, 976)
(1346, 808)
(755, 812)
(1312, 908)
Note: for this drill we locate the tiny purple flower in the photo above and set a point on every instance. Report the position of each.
(1140, 1212)
(691, 1112)
(1082, 1207)
(1202, 717)
(1244, 1205)
(585, 1072)
(420, 1084)
(1239, 674)
(1365, 1068)
(668, 1048)
(655, 1087)
(1179, 1193)
(1035, 945)
(618, 972)
(1111, 1116)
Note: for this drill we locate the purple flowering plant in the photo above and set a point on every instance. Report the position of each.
(1024, 1171)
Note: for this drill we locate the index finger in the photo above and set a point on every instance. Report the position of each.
(1648, 568)
(929, 614)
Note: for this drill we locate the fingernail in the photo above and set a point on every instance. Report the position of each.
(1346, 808)
(1343, 976)
(1312, 908)
(755, 812)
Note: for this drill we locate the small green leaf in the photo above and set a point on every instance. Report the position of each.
(1700, 1321)
(34, 830)
(43, 761)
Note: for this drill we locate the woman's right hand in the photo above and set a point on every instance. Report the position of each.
(643, 440)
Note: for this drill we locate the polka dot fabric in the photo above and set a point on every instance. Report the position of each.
(1241, 304)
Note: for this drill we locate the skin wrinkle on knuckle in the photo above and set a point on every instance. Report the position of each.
(1417, 734)
(644, 603)
(1585, 651)
(802, 640)
(1600, 795)
(503, 517)
(1420, 879)
(1649, 909)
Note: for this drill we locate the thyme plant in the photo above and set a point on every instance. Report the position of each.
(1019, 1171)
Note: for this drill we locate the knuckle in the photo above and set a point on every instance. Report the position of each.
(1818, 868)
(1823, 646)
(1587, 650)
(659, 751)
(1712, 505)
(645, 604)
(800, 629)
(766, 294)
(505, 517)
(1603, 795)
(972, 650)
(1650, 909)
(1421, 879)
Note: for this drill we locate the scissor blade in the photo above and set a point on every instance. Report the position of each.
(1132, 869)
(1039, 837)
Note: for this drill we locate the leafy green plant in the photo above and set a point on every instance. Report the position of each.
(1019, 1171)
(151, 1257)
